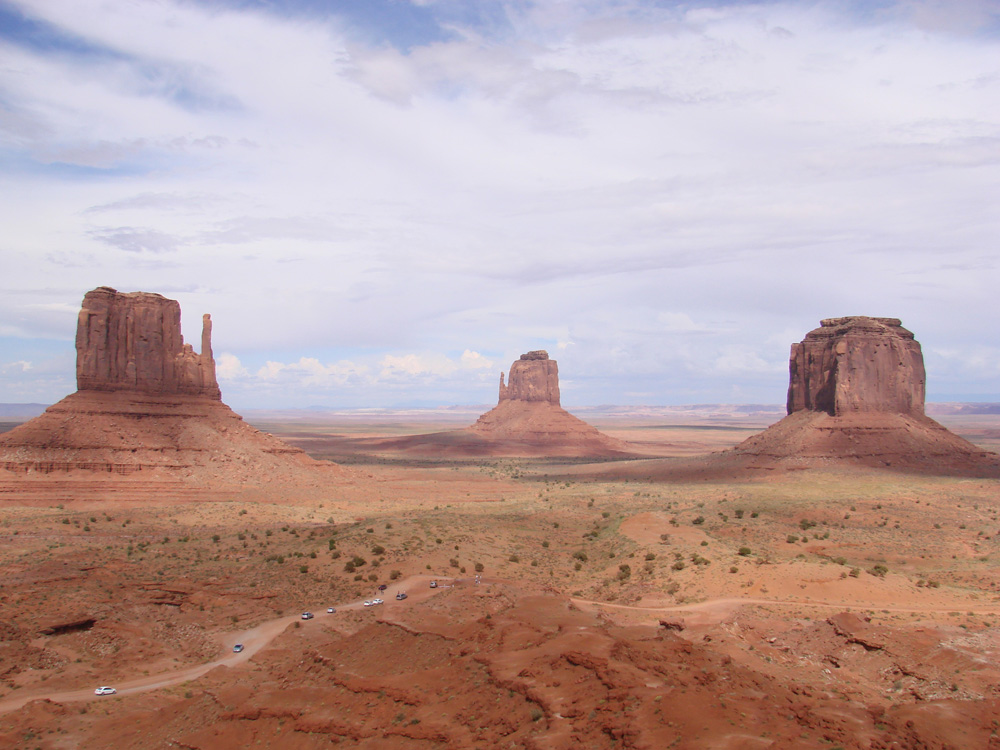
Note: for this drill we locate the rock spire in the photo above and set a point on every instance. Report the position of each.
(856, 365)
(132, 342)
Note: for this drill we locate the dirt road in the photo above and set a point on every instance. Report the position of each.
(253, 640)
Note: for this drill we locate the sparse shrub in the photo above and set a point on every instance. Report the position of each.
(216, 538)
(699, 521)
(479, 567)
(624, 571)
(878, 571)
(545, 544)
(855, 572)
(733, 569)
(744, 551)
(514, 559)
(792, 538)
(577, 565)
(453, 562)
(679, 565)
(394, 574)
(378, 549)
(738, 513)
(805, 524)
(303, 568)
(650, 556)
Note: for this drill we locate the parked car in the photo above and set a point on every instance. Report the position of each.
(434, 584)
(330, 610)
(383, 587)
(377, 601)
(105, 691)
(307, 615)
(400, 596)
(368, 604)
(237, 648)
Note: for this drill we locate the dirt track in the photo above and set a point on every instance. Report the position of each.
(253, 640)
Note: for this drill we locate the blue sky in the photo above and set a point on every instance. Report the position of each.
(384, 203)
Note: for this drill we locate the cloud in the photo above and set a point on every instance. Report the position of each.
(229, 367)
(137, 240)
(20, 366)
(666, 195)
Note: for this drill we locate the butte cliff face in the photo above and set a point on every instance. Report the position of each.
(855, 365)
(133, 342)
(533, 377)
(148, 407)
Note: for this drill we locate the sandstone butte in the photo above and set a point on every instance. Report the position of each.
(528, 414)
(856, 394)
(146, 404)
(855, 398)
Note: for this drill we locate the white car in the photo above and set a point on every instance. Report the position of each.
(307, 615)
(105, 691)
(368, 604)
(377, 601)
(330, 610)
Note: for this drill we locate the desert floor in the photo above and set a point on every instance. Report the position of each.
(820, 608)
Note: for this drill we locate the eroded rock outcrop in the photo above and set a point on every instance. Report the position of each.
(856, 395)
(533, 377)
(857, 364)
(149, 408)
(528, 419)
(133, 342)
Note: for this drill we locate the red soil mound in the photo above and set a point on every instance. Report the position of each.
(190, 439)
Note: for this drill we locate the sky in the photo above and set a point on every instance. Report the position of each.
(384, 203)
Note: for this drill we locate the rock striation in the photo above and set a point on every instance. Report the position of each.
(147, 407)
(857, 364)
(133, 342)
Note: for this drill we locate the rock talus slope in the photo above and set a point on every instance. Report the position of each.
(147, 403)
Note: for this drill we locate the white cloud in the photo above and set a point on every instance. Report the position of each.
(229, 367)
(657, 193)
(20, 366)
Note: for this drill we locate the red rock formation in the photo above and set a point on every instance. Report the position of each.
(528, 419)
(534, 377)
(857, 364)
(147, 406)
(133, 342)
